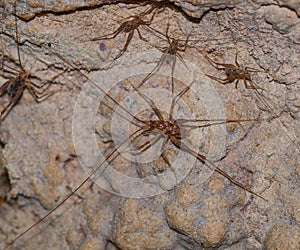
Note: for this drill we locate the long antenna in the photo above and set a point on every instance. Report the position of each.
(17, 34)
(110, 157)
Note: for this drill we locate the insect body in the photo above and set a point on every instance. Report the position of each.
(170, 129)
(236, 73)
(15, 86)
(133, 23)
(169, 55)
(19, 80)
(173, 130)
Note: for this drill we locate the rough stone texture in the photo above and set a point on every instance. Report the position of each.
(198, 213)
(281, 19)
(4, 180)
(29, 9)
(283, 237)
(291, 4)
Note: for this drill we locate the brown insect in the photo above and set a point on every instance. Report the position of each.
(171, 129)
(236, 73)
(19, 80)
(169, 55)
(129, 26)
(15, 86)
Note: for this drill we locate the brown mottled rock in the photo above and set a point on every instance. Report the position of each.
(291, 4)
(136, 227)
(201, 211)
(213, 233)
(281, 19)
(283, 237)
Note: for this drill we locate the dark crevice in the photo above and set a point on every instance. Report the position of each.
(161, 4)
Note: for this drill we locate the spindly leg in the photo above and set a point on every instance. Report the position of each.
(40, 96)
(172, 73)
(220, 80)
(211, 165)
(4, 87)
(250, 69)
(111, 35)
(177, 97)
(166, 160)
(39, 92)
(236, 82)
(12, 102)
(252, 85)
(215, 64)
(150, 102)
(148, 144)
(185, 44)
(2, 52)
(38, 89)
(166, 139)
(236, 57)
(154, 71)
(140, 36)
(129, 37)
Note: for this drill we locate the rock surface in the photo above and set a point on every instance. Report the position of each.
(45, 161)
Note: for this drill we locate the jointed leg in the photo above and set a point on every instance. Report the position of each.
(129, 37)
(252, 85)
(2, 53)
(185, 44)
(250, 69)
(40, 97)
(49, 82)
(236, 56)
(212, 166)
(172, 73)
(177, 97)
(145, 146)
(140, 36)
(151, 103)
(236, 82)
(12, 102)
(153, 72)
(169, 165)
(220, 80)
(4, 87)
(38, 89)
(215, 64)
(39, 92)
(112, 35)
